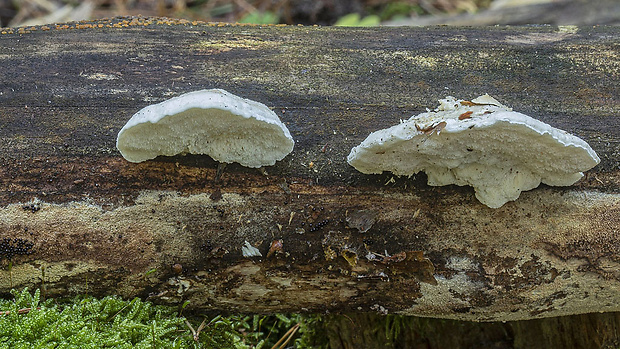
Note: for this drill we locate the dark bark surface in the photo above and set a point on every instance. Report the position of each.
(88, 221)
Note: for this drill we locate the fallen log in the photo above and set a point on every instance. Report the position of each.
(76, 218)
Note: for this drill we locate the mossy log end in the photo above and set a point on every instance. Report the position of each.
(77, 218)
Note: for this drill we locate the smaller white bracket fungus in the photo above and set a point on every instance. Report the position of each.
(479, 143)
(250, 251)
(214, 122)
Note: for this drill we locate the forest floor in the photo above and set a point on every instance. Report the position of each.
(323, 12)
(15, 13)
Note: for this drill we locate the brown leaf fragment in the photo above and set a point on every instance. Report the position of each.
(350, 256)
(429, 130)
(399, 257)
(466, 115)
(276, 248)
(471, 104)
(425, 129)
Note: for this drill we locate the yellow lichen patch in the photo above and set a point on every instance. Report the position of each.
(99, 76)
(420, 61)
(425, 61)
(24, 274)
(538, 38)
(176, 21)
(594, 59)
(572, 29)
(237, 43)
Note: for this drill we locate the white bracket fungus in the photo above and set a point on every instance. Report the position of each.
(479, 143)
(214, 122)
(250, 251)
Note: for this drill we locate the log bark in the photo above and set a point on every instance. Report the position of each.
(77, 218)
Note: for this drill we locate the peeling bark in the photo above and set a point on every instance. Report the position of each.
(167, 231)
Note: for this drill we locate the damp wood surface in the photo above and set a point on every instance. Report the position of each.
(76, 218)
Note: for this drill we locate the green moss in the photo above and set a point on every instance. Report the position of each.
(86, 322)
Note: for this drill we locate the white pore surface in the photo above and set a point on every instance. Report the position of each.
(497, 151)
(214, 122)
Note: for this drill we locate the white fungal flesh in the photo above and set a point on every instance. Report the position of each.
(250, 251)
(482, 144)
(214, 122)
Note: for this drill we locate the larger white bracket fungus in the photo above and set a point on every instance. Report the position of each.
(214, 122)
(479, 143)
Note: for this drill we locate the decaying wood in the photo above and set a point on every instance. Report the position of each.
(76, 217)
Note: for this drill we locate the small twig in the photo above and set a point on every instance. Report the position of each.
(196, 333)
(345, 315)
(191, 328)
(200, 328)
(20, 311)
(598, 180)
(281, 344)
(118, 312)
(378, 254)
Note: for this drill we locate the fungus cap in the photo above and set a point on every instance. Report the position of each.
(214, 122)
(480, 143)
(250, 251)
